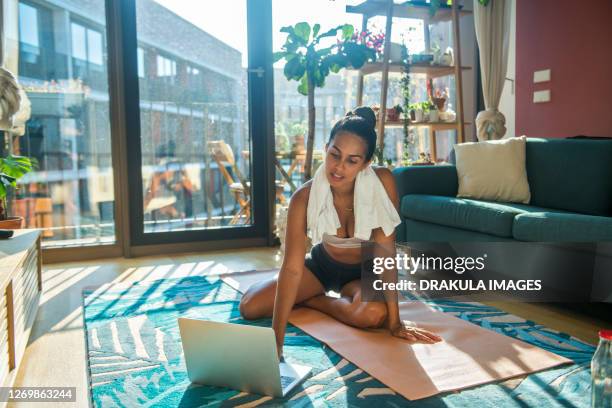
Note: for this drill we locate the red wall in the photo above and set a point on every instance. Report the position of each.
(574, 39)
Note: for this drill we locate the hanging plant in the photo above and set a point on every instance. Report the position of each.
(373, 40)
(407, 142)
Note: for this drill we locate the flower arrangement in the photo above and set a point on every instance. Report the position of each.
(372, 40)
(439, 98)
(441, 93)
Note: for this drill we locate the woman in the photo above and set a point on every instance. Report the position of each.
(335, 263)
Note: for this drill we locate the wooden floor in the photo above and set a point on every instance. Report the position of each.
(56, 351)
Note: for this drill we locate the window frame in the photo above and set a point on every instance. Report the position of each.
(261, 125)
(36, 11)
(119, 41)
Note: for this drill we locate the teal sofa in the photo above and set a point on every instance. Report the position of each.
(571, 199)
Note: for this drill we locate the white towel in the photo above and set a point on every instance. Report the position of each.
(372, 207)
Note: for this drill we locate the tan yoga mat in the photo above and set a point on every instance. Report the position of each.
(468, 356)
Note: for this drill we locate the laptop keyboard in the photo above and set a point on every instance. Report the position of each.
(286, 380)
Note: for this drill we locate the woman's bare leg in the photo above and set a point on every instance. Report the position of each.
(258, 300)
(349, 308)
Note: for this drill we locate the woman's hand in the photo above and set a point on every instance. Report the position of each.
(413, 333)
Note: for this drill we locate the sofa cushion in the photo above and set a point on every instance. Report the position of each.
(568, 227)
(493, 170)
(472, 215)
(433, 180)
(571, 174)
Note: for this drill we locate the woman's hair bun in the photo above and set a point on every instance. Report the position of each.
(360, 121)
(366, 113)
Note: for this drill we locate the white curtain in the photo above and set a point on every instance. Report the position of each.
(492, 23)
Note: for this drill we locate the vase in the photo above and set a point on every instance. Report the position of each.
(392, 115)
(448, 58)
(419, 115)
(439, 102)
(434, 115)
(395, 53)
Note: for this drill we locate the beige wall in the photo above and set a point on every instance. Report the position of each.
(507, 101)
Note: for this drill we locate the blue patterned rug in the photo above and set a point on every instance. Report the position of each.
(135, 356)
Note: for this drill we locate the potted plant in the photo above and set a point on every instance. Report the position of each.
(427, 106)
(281, 139)
(412, 108)
(439, 98)
(375, 41)
(434, 115)
(423, 160)
(416, 112)
(393, 114)
(309, 63)
(12, 168)
(395, 53)
(439, 102)
(298, 145)
(419, 111)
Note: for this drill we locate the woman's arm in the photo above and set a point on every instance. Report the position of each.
(387, 244)
(292, 268)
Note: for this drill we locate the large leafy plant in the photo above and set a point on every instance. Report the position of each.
(12, 168)
(309, 63)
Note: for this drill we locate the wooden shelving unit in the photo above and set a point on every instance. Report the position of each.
(420, 10)
(373, 8)
(431, 125)
(432, 71)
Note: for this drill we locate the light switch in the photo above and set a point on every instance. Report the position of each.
(541, 76)
(541, 96)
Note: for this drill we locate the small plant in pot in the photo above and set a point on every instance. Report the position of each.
(434, 114)
(419, 111)
(413, 108)
(12, 168)
(439, 99)
(297, 132)
(427, 106)
(393, 114)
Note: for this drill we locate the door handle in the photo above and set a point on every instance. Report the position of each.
(259, 71)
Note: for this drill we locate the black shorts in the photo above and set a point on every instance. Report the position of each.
(332, 274)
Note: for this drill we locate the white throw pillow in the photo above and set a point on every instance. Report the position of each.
(493, 170)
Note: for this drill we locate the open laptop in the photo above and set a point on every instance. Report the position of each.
(237, 356)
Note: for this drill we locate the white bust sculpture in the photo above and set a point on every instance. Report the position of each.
(22, 115)
(10, 98)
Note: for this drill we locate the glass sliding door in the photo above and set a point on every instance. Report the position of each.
(192, 166)
(58, 52)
